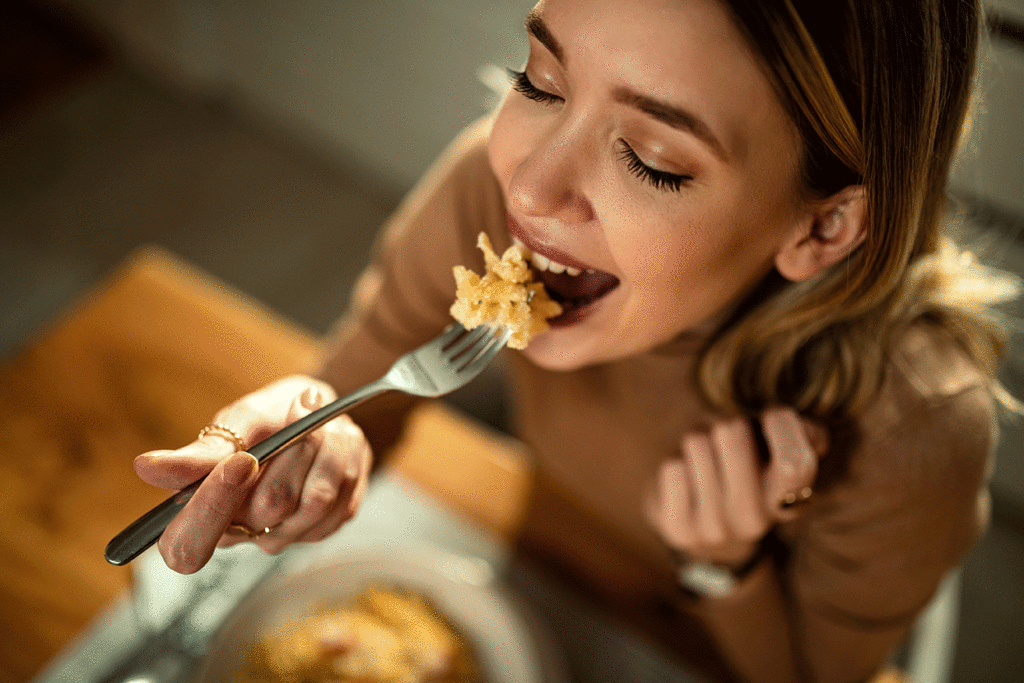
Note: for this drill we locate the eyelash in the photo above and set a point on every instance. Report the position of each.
(660, 180)
(522, 84)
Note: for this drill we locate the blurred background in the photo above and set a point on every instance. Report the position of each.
(266, 141)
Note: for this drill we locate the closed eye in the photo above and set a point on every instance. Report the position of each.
(661, 180)
(522, 84)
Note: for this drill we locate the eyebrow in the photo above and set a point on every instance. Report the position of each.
(673, 116)
(539, 30)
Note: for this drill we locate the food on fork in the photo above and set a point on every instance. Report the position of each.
(383, 634)
(505, 295)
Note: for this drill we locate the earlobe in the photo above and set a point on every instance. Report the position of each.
(832, 231)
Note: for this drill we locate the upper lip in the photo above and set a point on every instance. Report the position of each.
(517, 231)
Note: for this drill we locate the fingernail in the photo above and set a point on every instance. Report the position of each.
(153, 455)
(238, 468)
(817, 435)
(310, 398)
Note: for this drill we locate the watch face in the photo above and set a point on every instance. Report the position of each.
(706, 579)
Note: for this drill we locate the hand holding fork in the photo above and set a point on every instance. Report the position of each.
(323, 491)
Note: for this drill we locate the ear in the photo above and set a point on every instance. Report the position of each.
(831, 231)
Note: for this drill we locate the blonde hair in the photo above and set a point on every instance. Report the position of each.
(879, 92)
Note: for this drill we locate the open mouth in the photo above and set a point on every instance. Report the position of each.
(575, 288)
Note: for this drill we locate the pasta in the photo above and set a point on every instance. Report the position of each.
(384, 635)
(506, 295)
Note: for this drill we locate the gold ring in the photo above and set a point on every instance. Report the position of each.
(223, 431)
(249, 532)
(796, 497)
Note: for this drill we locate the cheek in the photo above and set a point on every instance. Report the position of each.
(508, 142)
(671, 248)
(707, 255)
(496, 153)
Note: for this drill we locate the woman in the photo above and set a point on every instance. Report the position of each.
(740, 206)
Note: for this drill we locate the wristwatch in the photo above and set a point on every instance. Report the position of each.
(709, 580)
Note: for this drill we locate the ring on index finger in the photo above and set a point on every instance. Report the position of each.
(223, 431)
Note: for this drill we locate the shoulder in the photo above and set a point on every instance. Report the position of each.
(939, 391)
(933, 421)
(932, 365)
(455, 199)
(405, 293)
(905, 495)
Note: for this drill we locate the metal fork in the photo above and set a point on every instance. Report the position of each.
(438, 367)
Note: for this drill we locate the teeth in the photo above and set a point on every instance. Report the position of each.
(543, 263)
(540, 262)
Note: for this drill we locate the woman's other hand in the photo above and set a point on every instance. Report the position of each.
(305, 493)
(718, 500)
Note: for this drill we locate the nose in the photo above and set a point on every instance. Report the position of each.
(547, 181)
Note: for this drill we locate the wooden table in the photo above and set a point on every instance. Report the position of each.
(143, 362)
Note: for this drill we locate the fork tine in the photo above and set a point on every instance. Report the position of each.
(450, 334)
(468, 340)
(484, 353)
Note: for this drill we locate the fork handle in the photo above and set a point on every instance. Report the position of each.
(144, 532)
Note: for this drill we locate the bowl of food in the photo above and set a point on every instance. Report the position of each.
(377, 615)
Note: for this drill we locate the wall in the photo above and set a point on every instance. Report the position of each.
(992, 166)
(386, 83)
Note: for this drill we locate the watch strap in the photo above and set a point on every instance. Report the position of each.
(708, 579)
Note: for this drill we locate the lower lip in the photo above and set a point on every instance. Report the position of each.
(568, 318)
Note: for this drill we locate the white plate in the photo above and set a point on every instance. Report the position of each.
(510, 644)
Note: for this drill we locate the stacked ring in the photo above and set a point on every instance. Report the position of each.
(796, 497)
(223, 431)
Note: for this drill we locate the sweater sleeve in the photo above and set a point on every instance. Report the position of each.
(871, 550)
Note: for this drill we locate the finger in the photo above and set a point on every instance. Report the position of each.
(793, 462)
(354, 482)
(253, 418)
(705, 487)
(233, 535)
(265, 411)
(671, 507)
(333, 488)
(191, 537)
(176, 469)
(277, 494)
(741, 482)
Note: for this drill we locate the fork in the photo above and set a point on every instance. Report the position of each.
(438, 367)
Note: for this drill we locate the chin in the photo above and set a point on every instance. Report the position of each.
(547, 352)
(568, 349)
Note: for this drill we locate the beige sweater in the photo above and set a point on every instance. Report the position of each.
(899, 501)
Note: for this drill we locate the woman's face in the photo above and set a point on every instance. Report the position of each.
(644, 147)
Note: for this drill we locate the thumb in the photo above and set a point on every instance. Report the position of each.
(191, 537)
